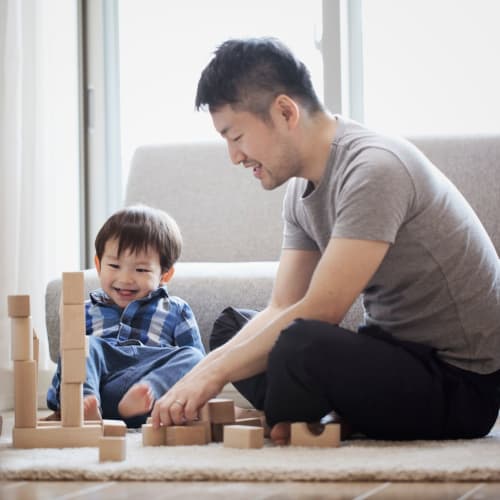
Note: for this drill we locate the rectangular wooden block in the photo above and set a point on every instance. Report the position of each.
(72, 321)
(73, 288)
(72, 404)
(153, 437)
(73, 366)
(114, 428)
(18, 306)
(322, 436)
(25, 407)
(57, 437)
(112, 449)
(21, 339)
(182, 435)
(206, 426)
(251, 421)
(36, 346)
(243, 436)
(219, 411)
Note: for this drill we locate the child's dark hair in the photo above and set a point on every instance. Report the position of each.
(249, 74)
(139, 228)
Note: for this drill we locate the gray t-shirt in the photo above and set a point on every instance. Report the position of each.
(439, 283)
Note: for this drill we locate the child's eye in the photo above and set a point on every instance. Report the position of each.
(114, 266)
(141, 270)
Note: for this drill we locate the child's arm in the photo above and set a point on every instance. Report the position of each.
(186, 332)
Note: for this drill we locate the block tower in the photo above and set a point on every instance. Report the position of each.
(71, 431)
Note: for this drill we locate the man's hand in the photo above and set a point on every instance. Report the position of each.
(182, 402)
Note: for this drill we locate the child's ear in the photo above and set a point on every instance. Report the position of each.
(168, 275)
(97, 263)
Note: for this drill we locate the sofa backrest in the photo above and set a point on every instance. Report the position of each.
(223, 212)
(225, 215)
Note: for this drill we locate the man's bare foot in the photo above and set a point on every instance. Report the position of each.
(138, 400)
(91, 408)
(280, 434)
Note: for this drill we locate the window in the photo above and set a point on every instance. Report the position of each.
(164, 46)
(431, 66)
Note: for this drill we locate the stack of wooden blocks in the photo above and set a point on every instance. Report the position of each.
(71, 431)
(217, 423)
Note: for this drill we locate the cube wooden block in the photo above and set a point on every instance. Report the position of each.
(71, 404)
(72, 321)
(243, 436)
(153, 437)
(301, 435)
(73, 366)
(114, 428)
(73, 288)
(57, 437)
(18, 306)
(25, 407)
(182, 435)
(112, 449)
(219, 411)
(21, 339)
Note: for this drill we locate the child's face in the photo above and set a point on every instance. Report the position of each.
(130, 276)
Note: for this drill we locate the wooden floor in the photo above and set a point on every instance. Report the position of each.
(109, 490)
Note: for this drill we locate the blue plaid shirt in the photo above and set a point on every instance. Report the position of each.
(157, 320)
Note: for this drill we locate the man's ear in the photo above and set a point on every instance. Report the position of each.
(288, 109)
(97, 264)
(168, 275)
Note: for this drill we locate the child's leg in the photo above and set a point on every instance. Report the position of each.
(96, 368)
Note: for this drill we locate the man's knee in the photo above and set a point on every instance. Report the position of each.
(228, 324)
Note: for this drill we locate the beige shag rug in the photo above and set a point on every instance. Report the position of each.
(356, 460)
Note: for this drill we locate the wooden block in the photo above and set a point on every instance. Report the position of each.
(57, 437)
(36, 346)
(182, 435)
(153, 437)
(72, 321)
(73, 288)
(217, 431)
(25, 406)
(22, 339)
(1, 424)
(73, 366)
(243, 436)
(114, 428)
(206, 426)
(112, 449)
(218, 411)
(317, 435)
(252, 421)
(18, 306)
(71, 404)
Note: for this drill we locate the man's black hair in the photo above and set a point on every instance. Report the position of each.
(248, 74)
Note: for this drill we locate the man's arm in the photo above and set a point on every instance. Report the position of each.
(338, 278)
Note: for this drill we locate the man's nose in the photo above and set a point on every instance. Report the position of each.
(235, 154)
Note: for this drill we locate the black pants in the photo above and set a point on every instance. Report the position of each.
(385, 388)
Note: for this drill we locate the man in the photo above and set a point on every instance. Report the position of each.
(363, 213)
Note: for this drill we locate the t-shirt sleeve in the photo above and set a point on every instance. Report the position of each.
(374, 199)
(294, 236)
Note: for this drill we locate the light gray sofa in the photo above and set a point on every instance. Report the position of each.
(232, 227)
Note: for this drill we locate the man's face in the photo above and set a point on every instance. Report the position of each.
(264, 146)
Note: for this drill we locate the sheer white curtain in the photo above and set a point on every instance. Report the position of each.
(38, 161)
